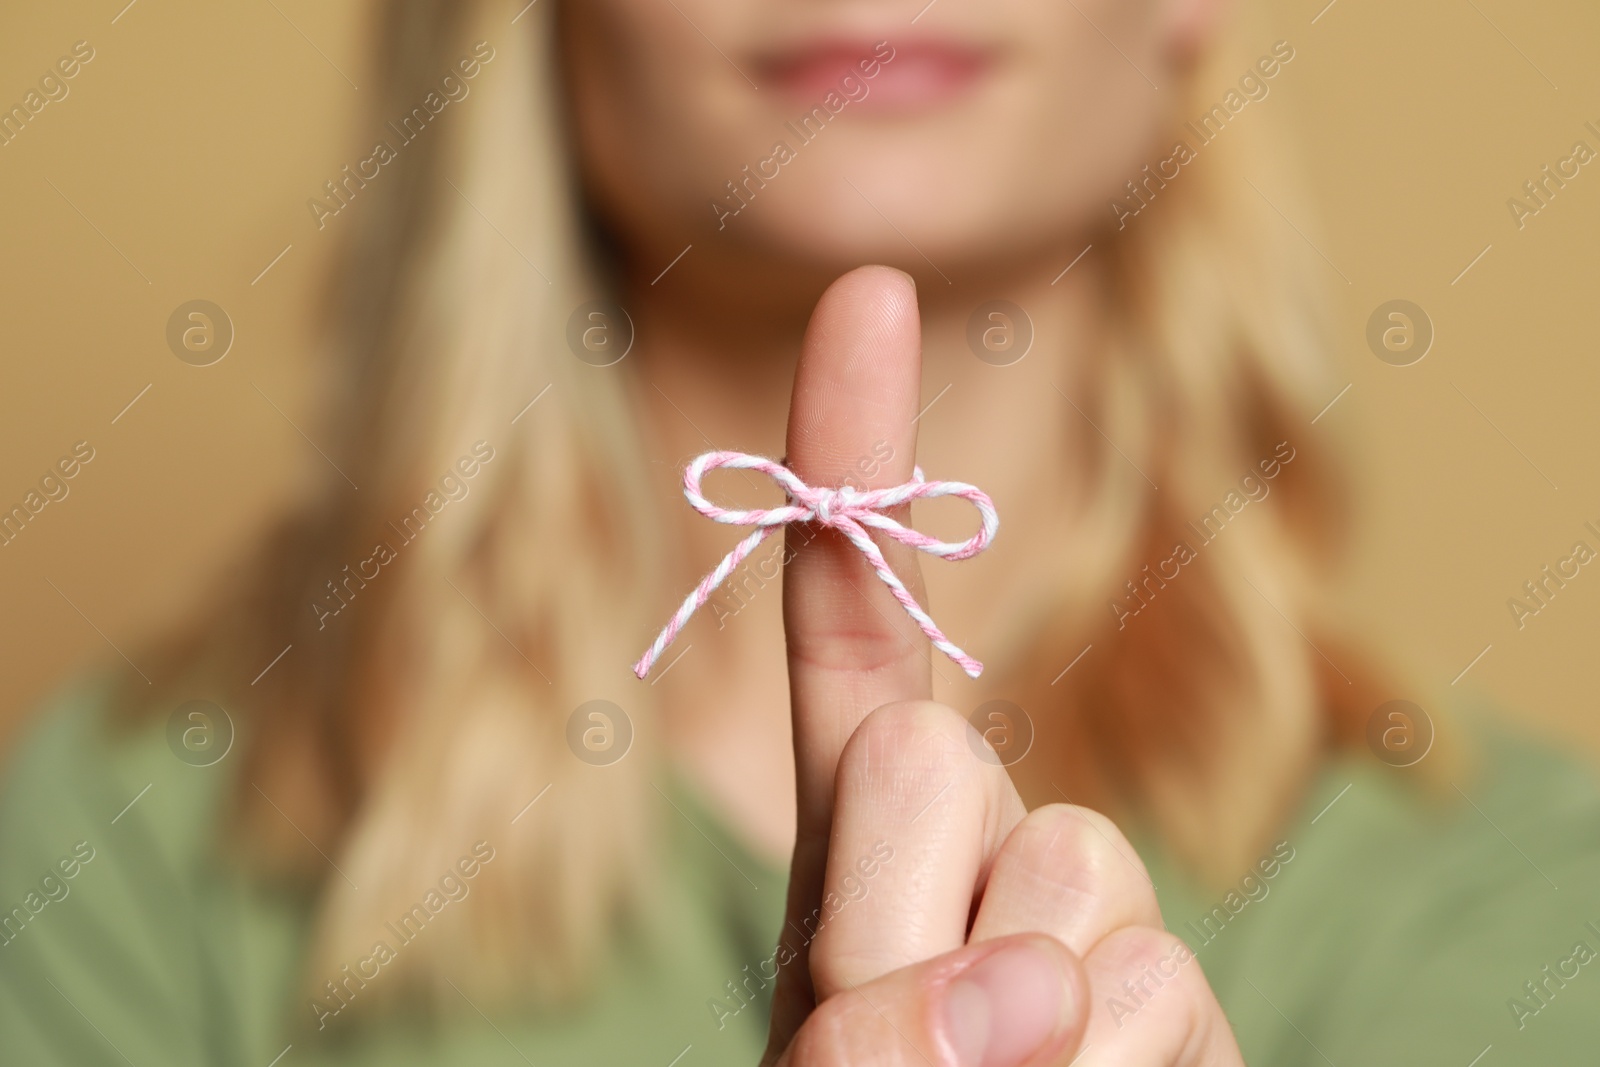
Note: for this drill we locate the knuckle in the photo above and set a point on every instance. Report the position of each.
(1137, 947)
(1058, 853)
(901, 721)
(1062, 869)
(1080, 844)
(839, 1033)
(822, 1039)
(1059, 833)
(1104, 828)
(1150, 961)
(908, 742)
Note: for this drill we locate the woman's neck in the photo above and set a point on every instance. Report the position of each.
(714, 380)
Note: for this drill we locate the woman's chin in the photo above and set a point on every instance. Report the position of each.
(840, 236)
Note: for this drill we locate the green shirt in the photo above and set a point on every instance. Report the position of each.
(1387, 929)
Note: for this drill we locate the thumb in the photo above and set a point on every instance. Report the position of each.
(1016, 1001)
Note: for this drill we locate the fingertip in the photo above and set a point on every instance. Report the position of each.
(879, 306)
(893, 287)
(852, 424)
(859, 380)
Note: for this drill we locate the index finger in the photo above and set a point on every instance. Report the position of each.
(851, 647)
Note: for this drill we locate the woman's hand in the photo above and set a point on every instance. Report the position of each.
(932, 919)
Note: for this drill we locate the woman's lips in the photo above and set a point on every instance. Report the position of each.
(907, 75)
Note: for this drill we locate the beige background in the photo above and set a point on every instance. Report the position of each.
(183, 157)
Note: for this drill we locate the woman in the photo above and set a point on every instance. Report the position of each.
(597, 239)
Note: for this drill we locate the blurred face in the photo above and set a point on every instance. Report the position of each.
(838, 132)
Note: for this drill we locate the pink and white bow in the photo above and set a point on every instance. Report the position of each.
(850, 511)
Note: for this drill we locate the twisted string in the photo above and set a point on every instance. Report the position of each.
(850, 511)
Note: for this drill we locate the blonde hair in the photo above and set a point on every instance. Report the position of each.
(399, 734)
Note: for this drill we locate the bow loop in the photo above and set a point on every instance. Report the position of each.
(846, 509)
